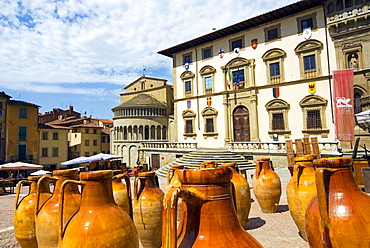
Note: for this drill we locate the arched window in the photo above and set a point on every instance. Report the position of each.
(314, 115)
(210, 119)
(278, 117)
(309, 53)
(189, 119)
(274, 60)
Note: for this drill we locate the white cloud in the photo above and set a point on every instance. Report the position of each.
(59, 44)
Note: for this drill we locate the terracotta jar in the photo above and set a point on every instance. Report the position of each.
(147, 209)
(300, 190)
(266, 186)
(208, 164)
(122, 191)
(99, 222)
(339, 215)
(24, 215)
(211, 219)
(172, 177)
(242, 194)
(47, 214)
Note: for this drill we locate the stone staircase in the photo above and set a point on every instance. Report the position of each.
(194, 159)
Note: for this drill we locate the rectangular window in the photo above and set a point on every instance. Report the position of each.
(236, 44)
(313, 119)
(209, 125)
(22, 113)
(274, 69)
(86, 130)
(188, 86)
(186, 58)
(87, 142)
(95, 142)
(272, 34)
(307, 23)
(44, 152)
(309, 62)
(45, 135)
(55, 152)
(95, 131)
(189, 126)
(208, 82)
(238, 76)
(207, 53)
(22, 133)
(55, 136)
(87, 154)
(278, 121)
(103, 139)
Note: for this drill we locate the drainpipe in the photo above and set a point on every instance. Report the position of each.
(196, 83)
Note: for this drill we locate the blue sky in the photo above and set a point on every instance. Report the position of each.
(57, 53)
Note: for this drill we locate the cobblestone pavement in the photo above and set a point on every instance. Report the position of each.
(271, 230)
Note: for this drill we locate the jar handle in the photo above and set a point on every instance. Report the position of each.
(299, 173)
(18, 190)
(258, 168)
(39, 183)
(322, 176)
(128, 189)
(271, 165)
(61, 207)
(136, 186)
(169, 218)
(169, 177)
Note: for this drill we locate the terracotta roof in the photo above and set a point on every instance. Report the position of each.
(51, 126)
(23, 103)
(67, 120)
(142, 100)
(87, 125)
(105, 130)
(273, 15)
(104, 120)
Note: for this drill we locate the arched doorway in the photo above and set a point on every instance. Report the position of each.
(241, 124)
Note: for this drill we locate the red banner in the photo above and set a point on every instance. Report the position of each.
(344, 105)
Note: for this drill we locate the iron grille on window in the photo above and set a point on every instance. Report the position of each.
(313, 119)
(278, 121)
(209, 126)
(358, 107)
(189, 126)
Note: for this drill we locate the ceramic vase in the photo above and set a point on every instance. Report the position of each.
(339, 215)
(99, 222)
(147, 209)
(211, 219)
(300, 190)
(266, 186)
(122, 191)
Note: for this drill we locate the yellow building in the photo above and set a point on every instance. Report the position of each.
(22, 139)
(3, 110)
(53, 145)
(85, 140)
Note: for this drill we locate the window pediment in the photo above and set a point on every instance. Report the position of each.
(209, 111)
(187, 75)
(277, 104)
(188, 113)
(309, 45)
(207, 70)
(237, 62)
(313, 101)
(275, 53)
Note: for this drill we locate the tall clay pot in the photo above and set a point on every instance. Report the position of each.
(47, 214)
(211, 216)
(147, 209)
(339, 215)
(24, 215)
(122, 191)
(266, 186)
(242, 194)
(300, 190)
(99, 222)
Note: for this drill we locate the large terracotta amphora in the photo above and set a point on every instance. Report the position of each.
(47, 214)
(266, 186)
(211, 219)
(147, 209)
(339, 215)
(173, 181)
(300, 190)
(122, 191)
(24, 215)
(99, 222)
(242, 194)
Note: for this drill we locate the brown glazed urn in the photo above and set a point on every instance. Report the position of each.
(47, 214)
(339, 215)
(24, 215)
(211, 219)
(122, 191)
(266, 186)
(242, 194)
(300, 190)
(99, 222)
(147, 209)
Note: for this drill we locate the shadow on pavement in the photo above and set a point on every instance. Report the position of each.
(282, 208)
(254, 223)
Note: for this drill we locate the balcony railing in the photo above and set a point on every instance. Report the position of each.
(169, 146)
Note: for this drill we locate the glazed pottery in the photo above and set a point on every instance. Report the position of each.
(300, 190)
(242, 194)
(99, 222)
(24, 215)
(122, 191)
(339, 215)
(266, 186)
(208, 164)
(173, 181)
(147, 209)
(47, 214)
(211, 219)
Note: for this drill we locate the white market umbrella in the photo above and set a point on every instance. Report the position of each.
(101, 157)
(20, 166)
(40, 172)
(78, 160)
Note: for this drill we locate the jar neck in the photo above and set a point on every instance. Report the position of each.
(97, 194)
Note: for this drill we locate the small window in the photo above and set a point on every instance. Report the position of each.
(87, 154)
(207, 53)
(274, 69)
(55, 152)
(45, 135)
(95, 131)
(309, 62)
(308, 23)
(22, 113)
(313, 119)
(187, 86)
(22, 133)
(44, 152)
(103, 139)
(348, 3)
(95, 142)
(208, 84)
(272, 34)
(86, 130)
(142, 85)
(55, 136)
(339, 5)
(189, 126)
(209, 125)
(87, 142)
(236, 44)
(238, 77)
(278, 121)
(186, 58)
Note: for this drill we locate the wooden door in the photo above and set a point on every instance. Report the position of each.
(155, 162)
(241, 124)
